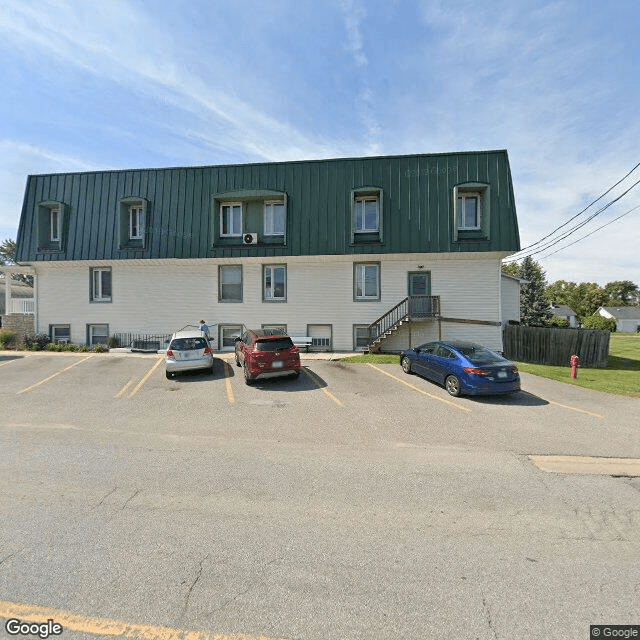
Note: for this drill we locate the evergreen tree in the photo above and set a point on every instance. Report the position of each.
(534, 307)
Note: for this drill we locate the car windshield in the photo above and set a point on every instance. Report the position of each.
(274, 345)
(479, 355)
(188, 344)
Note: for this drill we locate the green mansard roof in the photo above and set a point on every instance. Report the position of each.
(182, 208)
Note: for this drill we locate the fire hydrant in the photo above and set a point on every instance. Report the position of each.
(574, 361)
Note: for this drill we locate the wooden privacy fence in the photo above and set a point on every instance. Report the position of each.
(546, 345)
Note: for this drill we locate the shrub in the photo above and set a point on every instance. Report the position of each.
(114, 342)
(100, 348)
(6, 338)
(598, 322)
(555, 321)
(37, 342)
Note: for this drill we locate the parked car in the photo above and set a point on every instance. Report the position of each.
(266, 353)
(462, 367)
(188, 350)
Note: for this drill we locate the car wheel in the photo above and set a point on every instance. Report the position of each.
(406, 364)
(237, 360)
(452, 385)
(247, 376)
(295, 375)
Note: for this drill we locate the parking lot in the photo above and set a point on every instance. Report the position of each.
(349, 402)
(353, 502)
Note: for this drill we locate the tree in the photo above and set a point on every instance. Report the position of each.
(511, 269)
(622, 292)
(599, 322)
(583, 298)
(534, 307)
(7, 252)
(8, 256)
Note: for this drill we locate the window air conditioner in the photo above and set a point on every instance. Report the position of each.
(250, 238)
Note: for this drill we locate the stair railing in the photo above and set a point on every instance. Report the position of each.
(387, 320)
(412, 307)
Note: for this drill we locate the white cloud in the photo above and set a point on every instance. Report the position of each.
(138, 57)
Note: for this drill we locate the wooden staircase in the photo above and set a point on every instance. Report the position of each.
(411, 309)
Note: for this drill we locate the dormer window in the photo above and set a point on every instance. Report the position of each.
(134, 221)
(366, 215)
(274, 219)
(54, 219)
(469, 210)
(51, 226)
(230, 219)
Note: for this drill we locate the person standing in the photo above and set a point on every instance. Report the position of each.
(204, 327)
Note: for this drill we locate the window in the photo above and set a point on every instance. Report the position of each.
(60, 333)
(275, 283)
(367, 217)
(231, 219)
(230, 283)
(469, 210)
(366, 281)
(274, 219)
(51, 221)
(228, 334)
(97, 334)
(100, 284)
(134, 213)
(360, 336)
(54, 215)
(136, 222)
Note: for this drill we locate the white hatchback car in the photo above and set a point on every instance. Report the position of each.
(188, 350)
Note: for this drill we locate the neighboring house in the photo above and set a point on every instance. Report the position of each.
(564, 312)
(627, 318)
(387, 251)
(19, 298)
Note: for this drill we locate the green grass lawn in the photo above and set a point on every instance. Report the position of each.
(622, 376)
(374, 358)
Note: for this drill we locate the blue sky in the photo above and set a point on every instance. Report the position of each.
(130, 83)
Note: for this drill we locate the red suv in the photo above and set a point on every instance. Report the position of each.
(266, 353)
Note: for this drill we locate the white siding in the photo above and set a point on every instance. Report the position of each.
(162, 296)
(510, 299)
(628, 326)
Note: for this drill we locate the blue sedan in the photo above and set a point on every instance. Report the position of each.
(462, 367)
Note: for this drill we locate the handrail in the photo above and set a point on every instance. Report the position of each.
(410, 307)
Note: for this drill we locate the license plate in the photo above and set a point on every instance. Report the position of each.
(502, 374)
(277, 364)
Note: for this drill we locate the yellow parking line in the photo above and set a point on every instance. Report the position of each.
(146, 377)
(226, 367)
(566, 406)
(404, 382)
(37, 384)
(9, 361)
(314, 378)
(124, 389)
(105, 627)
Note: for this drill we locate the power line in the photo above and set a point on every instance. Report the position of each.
(583, 210)
(555, 241)
(606, 224)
